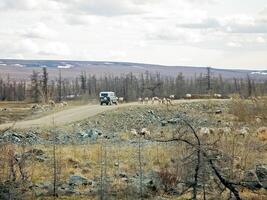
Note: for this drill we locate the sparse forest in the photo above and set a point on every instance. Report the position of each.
(187, 149)
(130, 86)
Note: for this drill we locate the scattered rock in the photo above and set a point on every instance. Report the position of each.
(217, 112)
(152, 181)
(205, 131)
(77, 180)
(13, 137)
(32, 138)
(261, 171)
(89, 134)
(258, 120)
(145, 132)
(173, 121)
(123, 175)
(65, 189)
(251, 180)
(164, 123)
(134, 132)
(243, 131)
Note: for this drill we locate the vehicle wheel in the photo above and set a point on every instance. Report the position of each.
(107, 104)
(101, 104)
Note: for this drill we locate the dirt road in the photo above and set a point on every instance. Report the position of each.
(65, 116)
(71, 115)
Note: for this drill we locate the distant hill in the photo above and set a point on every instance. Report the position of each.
(22, 69)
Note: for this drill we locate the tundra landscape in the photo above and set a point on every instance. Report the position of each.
(133, 100)
(165, 138)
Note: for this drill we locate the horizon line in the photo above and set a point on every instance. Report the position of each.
(140, 63)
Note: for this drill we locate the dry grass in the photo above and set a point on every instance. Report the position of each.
(85, 159)
(248, 111)
(245, 152)
(15, 111)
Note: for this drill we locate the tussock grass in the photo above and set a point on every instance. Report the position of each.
(248, 111)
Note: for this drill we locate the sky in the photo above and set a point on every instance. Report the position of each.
(215, 33)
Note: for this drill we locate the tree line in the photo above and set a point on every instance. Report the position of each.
(130, 86)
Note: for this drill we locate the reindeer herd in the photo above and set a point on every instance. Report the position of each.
(153, 100)
(142, 100)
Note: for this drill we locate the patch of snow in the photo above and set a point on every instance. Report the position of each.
(107, 63)
(259, 73)
(2, 64)
(137, 67)
(18, 65)
(65, 66)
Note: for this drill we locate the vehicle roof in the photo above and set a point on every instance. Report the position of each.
(107, 92)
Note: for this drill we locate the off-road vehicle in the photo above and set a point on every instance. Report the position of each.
(108, 98)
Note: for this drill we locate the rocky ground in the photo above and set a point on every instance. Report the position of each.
(119, 130)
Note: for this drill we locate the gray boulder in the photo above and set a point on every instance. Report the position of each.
(66, 189)
(13, 137)
(89, 134)
(261, 171)
(251, 180)
(32, 138)
(173, 121)
(77, 180)
(152, 181)
(164, 123)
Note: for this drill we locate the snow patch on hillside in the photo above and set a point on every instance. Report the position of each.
(259, 73)
(65, 66)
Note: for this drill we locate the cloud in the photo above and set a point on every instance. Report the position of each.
(80, 19)
(18, 4)
(264, 11)
(245, 24)
(202, 24)
(54, 49)
(201, 2)
(30, 5)
(255, 28)
(39, 30)
(232, 24)
(103, 7)
(26, 47)
(233, 44)
(174, 34)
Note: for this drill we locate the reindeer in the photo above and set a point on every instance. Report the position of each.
(140, 100)
(120, 99)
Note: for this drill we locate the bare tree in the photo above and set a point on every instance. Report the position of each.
(140, 167)
(45, 84)
(207, 153)
(35, 87)
(249, 86)
(59, 86)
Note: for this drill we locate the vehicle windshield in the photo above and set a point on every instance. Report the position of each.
(104, 94)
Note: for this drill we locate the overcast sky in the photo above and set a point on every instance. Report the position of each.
(217, 33)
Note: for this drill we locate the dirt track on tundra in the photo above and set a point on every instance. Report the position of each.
(71, 115)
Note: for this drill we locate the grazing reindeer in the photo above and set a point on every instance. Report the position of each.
(172, 97)
(154, 99)
(121, 100)
(188, 96)
(140, 100)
